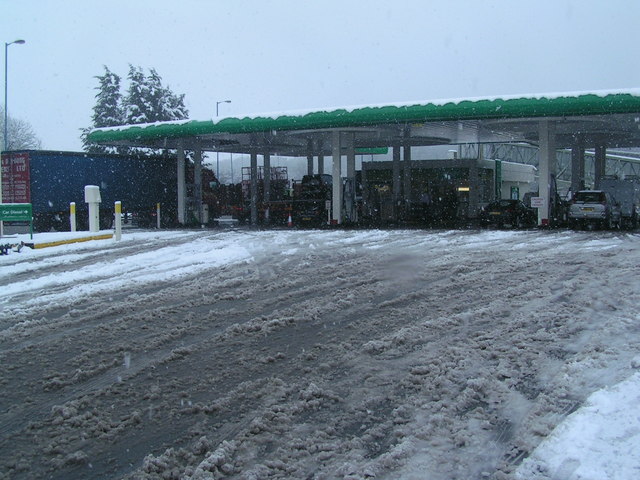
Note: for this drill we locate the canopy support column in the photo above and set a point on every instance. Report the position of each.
(254, 186)
(197, 180)
(266, 184)
(309, 157)
(577, 164)
(336, 211)
(600, 163)
(350, 196)
(320, 158)
(396, 179)
(474, 190)
(547, 145)
(182, 186)
(406, 163)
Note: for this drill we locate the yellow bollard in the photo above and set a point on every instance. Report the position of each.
(72, 216)
(117, 221)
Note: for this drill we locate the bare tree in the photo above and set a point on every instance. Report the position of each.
(21, 134)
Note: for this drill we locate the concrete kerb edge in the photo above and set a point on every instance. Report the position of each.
(70, 240)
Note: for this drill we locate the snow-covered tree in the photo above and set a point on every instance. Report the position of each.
(146, 101)
(107, 111)
(137, 108)
(21, 134)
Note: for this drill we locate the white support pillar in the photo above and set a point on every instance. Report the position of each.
(396, 178)
(547, 145)
(254, 186)
(600, 163)
(266, 185)
(320, 158)
(309, 157)
(351, 177)
(197, 181)
(406, 170)
(266, 181)
(577, 164)
(309, 164)
(182, 188)
(336, 214)
(474, 190)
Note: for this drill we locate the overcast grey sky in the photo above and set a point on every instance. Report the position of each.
(282, 55)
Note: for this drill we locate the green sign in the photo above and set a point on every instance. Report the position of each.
(372, 151)
(498, 179)
(16, 212)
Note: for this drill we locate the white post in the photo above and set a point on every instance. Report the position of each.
(72, 216)
(92, 197)
(158, 215)
(320, 158)
(181, 185)
(546, 165)
(266, 185)
(336, 217)
(254, 186)
(197, 180)
(396, 181)
(351, 177)
(117, 221)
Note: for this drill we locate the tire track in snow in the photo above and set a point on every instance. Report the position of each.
(405, 327)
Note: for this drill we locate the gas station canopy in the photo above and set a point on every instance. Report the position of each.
(611, 118)
(598, 120)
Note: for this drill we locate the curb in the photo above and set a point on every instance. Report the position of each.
(71, 240)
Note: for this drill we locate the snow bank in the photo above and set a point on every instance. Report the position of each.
(158, 264)
(600, 441)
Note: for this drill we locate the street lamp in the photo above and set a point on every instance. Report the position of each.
(218, 103)
(6, 108)
(6, 117)
(217, 152)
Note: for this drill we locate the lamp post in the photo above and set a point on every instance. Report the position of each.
(217, 152)
(6, 116)
(6, 108)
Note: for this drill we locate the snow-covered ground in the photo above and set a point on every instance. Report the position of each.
(307, 354)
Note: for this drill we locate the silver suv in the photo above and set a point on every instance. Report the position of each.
(594, 207)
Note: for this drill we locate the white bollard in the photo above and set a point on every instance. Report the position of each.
(92, 197)
(72, 216)
(117, 221)
(158, 215)
(204, 214)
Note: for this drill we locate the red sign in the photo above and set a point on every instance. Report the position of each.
(15, 178)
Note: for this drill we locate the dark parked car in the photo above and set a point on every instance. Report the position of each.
(508, 212)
